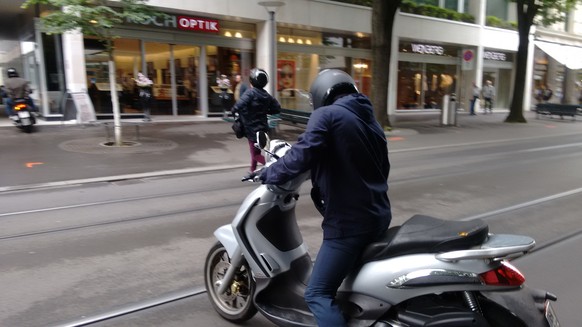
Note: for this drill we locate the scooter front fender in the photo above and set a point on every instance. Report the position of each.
(225, 235)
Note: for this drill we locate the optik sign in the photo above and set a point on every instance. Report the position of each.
(184, 23)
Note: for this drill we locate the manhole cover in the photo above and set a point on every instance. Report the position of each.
(96, 145)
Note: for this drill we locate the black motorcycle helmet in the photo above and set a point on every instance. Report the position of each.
(11, 72)
(329, 84)
(259, 78)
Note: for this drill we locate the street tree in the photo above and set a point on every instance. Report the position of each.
(383, 14)
(95, 18)
(530, 12)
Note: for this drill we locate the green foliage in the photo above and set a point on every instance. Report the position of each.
(91, 17)
(548, 12)
(497, 22)
(435, 11)
(425, 8)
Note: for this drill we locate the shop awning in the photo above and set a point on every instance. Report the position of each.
(568, 55)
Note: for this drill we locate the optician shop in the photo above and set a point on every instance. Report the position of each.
(184, 56)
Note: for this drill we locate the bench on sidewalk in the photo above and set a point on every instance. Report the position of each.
(295, 116)
(557, 109)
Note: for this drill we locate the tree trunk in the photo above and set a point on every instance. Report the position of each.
(382, 25)
(526, 11)
(516, 108)
(115, 102)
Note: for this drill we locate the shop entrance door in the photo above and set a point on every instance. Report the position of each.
(501, 79)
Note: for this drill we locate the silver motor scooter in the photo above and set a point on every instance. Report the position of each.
(426, 272)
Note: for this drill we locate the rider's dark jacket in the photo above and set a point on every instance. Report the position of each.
(346, 150)
(253, 107)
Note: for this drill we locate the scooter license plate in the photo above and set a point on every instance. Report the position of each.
(551, 315)
(24, 114)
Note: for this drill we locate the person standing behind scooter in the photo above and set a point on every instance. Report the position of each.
(346, 150)
(16, 88)
(253, 107)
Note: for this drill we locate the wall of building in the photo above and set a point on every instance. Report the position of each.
(312, 14)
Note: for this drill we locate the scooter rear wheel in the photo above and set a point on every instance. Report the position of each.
(236, 304)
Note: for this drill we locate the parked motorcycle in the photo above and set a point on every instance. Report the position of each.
(23, 117)
(426, 272)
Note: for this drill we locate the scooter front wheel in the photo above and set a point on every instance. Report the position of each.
(236, 303)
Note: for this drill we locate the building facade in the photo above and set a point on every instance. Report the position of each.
(186, 52)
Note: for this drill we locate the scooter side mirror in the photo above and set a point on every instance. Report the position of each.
(262, 140)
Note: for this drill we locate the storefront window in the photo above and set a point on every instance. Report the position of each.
(229, 62)
(296, 72)
(97, 67)
(127, 61)
(158, 66)
(423, 85)
(186, 62)
(127, 56)
(362, 74)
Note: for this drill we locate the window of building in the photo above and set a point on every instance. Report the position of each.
(457, 5)
(228, 62)
(427, 2)
(296, 72)
(497, 8)
(423, 85)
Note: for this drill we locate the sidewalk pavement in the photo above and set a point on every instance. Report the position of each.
(65, 153)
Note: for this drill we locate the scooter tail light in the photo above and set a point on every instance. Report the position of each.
(504, 275)
(19, 107)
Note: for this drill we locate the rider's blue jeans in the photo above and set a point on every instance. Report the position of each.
(336, 258)
(8, 104)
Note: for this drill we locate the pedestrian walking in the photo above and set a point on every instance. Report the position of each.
(476, 93)
(488, 96)
(253, 107)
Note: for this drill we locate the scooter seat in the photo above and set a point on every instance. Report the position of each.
(424, 234)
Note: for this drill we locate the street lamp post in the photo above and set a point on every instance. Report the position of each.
(271, 7)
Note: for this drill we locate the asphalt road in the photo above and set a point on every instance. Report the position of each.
(95, 245)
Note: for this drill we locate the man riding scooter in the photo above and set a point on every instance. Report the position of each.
(17, 88)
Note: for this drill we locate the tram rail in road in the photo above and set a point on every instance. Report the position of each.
(131, 308)
(191, 292)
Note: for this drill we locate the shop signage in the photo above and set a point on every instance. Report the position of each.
(197, 24)
(468, 56)
(184, 23)
(492, 55)
(427, 49)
